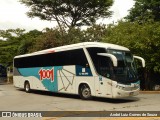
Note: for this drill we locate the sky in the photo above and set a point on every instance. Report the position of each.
(13, 15)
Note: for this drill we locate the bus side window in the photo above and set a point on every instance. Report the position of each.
(63, 58)
(104, 66)
(101, 63)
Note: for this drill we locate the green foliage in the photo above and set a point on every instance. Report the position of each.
(52, 37)
(11, 33)
(48, 39)
(145, 11)
(95, 33)
(69, 13)
(27, 41)
(8, 45)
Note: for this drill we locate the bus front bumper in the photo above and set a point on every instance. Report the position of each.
(118, 93)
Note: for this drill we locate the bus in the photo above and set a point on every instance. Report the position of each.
(86, 69)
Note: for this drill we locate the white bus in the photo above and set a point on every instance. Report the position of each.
(87, 69)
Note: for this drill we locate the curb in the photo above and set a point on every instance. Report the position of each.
(149, 92)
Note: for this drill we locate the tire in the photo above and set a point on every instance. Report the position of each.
(27, 87)
(85, 92)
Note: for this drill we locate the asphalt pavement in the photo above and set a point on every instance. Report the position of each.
(13, 99)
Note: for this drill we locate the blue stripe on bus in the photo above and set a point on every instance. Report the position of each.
(48, 83)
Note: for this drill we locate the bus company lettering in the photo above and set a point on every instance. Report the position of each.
(46, 74)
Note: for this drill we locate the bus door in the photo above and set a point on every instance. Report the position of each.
(103, 80)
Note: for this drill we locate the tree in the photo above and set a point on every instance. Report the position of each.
(95, 33)
(69, 13)
(142, 40)
(52, 37)
(27, 41)
(144, 11)
(11, 33)
(48, 39)
(9, 45)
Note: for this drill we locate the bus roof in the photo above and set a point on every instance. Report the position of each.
(76, 46)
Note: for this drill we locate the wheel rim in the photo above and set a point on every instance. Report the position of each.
(86, 92)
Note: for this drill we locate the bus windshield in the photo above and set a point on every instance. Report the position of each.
(126, 71)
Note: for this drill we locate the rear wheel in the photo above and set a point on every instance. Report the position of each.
(85, 92)
(27, 87)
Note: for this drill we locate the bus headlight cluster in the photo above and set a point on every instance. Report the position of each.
(120, 87)
(128, 88)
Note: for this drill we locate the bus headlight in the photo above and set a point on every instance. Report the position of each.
(120, 87)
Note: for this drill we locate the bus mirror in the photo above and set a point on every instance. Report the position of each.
(140, 58)
(113, 58)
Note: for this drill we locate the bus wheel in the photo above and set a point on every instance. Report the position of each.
(27, 87)
(85, 92)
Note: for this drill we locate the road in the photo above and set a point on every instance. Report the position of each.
(13, 99)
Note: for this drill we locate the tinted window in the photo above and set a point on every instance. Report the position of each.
(102, 64)
(71, 57)
(93, 54)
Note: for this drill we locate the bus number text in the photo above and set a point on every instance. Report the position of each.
(46, 74)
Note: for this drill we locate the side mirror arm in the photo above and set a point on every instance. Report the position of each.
(140, 58)
(113, 58)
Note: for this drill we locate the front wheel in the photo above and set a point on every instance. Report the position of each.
(27, 87)
(85, 92)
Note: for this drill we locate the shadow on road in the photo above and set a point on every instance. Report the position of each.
(117, 101)
(108, 100)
